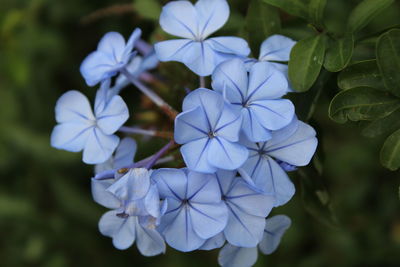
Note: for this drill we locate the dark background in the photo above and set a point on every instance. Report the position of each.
(346, 209)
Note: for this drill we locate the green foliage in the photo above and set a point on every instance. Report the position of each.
(148, 9)
(339, 53)
(359, 74)
(390, 153)
(388, 57)
(305, 63)
(262, 20)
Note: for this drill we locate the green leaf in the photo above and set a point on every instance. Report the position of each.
(390, 153)
(339, 53)
(384, 125)
(388, 57)
(362, 73)
(364, 12)
(311, 10)
(148, 9)
(262, 21)
(362, 103)
(305, 62)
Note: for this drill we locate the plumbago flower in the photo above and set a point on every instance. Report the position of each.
(136, 211)
(195, 23)
(257, 96)
(209, 129)
(234, 256)
(247, 207)
(294, 145)
(275, 49)
(79, 129)
(111, 56)
(195, 210)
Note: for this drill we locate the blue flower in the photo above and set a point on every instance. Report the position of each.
(195, 210)
(247, 210)
(233, 256)
(111, 56)
(209, 129)
(130, 219)
(195, 24)
(80, 129)
(123, 156)
(275, 48)
(256, 95)
(294, 145)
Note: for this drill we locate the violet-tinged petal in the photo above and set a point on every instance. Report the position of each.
(125, 153)
(99, 147)
(171, 183)
(174, 50)
(211, 16)
(191, 125)
(252, 128)
(71, 136)
(133, 185)
(149, 241)
(232, 256)
(130, 44)
(214, 242)
(275, 227)
(202, 188)
(230, 155)
(229, 46)
(102, 196)
(273, 114)
(229, 123)
(208, 219)
(276, 48)
(114, 115)
(195, 154)
(73, 106)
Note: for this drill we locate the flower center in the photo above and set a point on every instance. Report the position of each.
(212, 134)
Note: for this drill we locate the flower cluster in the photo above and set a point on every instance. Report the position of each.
(238, 140)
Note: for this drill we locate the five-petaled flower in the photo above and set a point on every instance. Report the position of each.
(195, 23)
(295, 144)
(80, 129)
(111, 56)
(256, 95)
(209, 129)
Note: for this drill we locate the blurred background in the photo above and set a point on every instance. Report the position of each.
(346, 209)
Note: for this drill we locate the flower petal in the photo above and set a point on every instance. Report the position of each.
(266, 82)
(121, 230)
(203, 188)
(226, 155)
(191, 125)
(149, 241)
(71, 136)
(131, 42)
(228, 45)
(230, 77)
(252, 128)
(211, 16)
(195, 155)
(179, 18)
(275, 227)
(232, 256)
(101, 196)
(99, 147)
(214, 242)
(114, 115)
(73, 106)
(208, 219)
(113, 44)
(125, 153)
(298, 149)
(132, 186)
(152, 201)
(229, 123)
(174, 50)
(273, 114)
(171, 183)
(276, 48)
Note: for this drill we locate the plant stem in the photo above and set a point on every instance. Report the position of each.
(159, 154)
(202, 81)
(170, 111)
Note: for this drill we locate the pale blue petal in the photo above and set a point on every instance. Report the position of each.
(148, 241)
(273, 114)
(232, 256)
(276, 48)
(229, 123)
(103, 96)
(99, 66)
(150, 61)
(214, 242)
(229, 45)
(173, 208)
(225, 179)
(174, 50)
(121, 230)
(101, 196)
(298, 149)
(270, 178)
(105, 166)
(281, 135)
(152, 201)
(191, 125)
(252, 128)
(226, 155)
(131, 43)
(202, 59)
(265, 82)
(180, 234)
(243, 230)
(113, 44)
(195, 154)
(114, 115)
(71, 136)
(132, 186)
(275, 227)
(231, 77)
(208, 219)
(211, 16)
(179, 18)
(125, 153)
(133, 68)
(73, 106)
(171, 183)
(99, 147)
(203, 188)
(248, 200)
